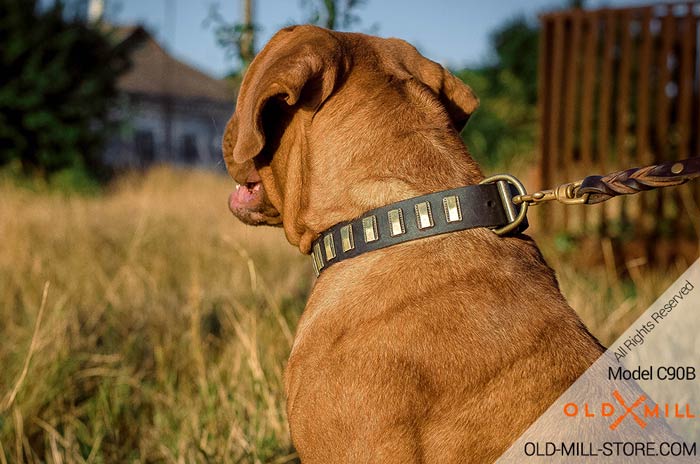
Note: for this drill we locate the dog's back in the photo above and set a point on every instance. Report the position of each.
(442, 350)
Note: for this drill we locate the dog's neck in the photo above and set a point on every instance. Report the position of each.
(393, 153)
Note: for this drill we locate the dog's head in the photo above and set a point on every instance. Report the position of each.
(321, 115)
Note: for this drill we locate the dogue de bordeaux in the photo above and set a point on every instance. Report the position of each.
(435, 350)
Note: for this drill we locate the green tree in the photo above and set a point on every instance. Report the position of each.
(515, 45)
(57, 87)
(332, 14)
(505, 125)
(237, 38)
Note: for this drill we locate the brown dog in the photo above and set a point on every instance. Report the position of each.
(437, 350)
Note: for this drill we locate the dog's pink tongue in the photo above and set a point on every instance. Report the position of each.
(245, 197)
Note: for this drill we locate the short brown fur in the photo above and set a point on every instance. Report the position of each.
(440, 350)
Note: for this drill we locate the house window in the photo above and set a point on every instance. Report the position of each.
(188, 149)
(144, 147)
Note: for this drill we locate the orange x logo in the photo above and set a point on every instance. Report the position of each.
(628, 410)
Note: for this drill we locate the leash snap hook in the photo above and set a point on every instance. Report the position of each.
(515, 216)
(568, 194)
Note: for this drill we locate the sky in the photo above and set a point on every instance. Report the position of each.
(452, 32)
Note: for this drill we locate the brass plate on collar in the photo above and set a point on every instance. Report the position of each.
(313, 263)
(317, 257)
(453, 212)
(396, 222)
(329, 245)
(424, 216)
(347, 241)
(369, 227)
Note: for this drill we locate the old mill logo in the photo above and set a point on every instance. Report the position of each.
(638, 411)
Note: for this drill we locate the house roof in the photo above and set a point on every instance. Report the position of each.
(155, 72)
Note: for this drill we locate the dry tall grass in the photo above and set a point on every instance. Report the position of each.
(166, 323)
(165, 329)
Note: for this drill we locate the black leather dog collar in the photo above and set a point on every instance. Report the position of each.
(484, 205)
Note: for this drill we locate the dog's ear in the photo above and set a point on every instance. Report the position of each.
(300, 65)
(457, 97)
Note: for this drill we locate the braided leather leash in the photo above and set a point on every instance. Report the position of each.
(597, 189)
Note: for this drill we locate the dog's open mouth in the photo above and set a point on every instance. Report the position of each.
(246, 196)
(249, 203)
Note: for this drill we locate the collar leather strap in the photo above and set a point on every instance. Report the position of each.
(484, 205)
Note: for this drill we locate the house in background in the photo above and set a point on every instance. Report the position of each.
(173, 113)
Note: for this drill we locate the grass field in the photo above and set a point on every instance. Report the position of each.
(147, 325)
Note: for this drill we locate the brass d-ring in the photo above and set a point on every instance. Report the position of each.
(508, 205)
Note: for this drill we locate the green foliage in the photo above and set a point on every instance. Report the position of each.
(71, 180)
(333, 14)
(505, 125)
(57, 85)
(516, 47)
(564, 242)
(237, 39)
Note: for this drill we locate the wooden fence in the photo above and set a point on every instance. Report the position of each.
(620, 88)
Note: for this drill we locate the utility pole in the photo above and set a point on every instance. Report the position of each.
(95, 11)
(246, 44)
(167, 97)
